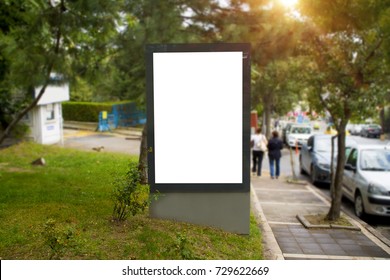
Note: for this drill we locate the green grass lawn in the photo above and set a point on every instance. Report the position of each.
(63, 211)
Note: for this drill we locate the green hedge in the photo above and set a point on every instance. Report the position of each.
(85, 111)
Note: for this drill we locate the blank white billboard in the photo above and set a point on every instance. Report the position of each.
(198, 117)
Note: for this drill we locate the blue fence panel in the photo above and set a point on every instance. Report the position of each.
(127, 115)
(103, 124)
(111, 121)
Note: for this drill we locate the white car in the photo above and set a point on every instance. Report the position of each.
(299, 134)
(366, 179)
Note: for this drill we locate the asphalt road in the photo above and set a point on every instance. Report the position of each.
(92, 141)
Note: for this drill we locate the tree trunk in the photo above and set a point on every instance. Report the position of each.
(267, 110)
(332, 185)
(143, 157)
(3, 122)
(386, 119)
(382, 118)
(336, 193)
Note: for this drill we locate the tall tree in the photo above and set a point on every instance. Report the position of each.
(273, 35)
(147, 22)
(278, 87)
(50, 37)
(270, 31)
(347, 64)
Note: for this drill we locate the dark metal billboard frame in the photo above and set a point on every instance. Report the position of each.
(199, 187)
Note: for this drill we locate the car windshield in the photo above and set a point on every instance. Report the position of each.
(325, 145)
(301, 130)
(375, 160)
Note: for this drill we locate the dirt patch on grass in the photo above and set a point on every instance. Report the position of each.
(4, 166)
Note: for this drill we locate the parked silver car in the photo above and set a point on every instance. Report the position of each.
(366, 179)
(315, 157)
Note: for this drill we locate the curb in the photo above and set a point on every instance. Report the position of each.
(133, 134)
(358, 223)
(271, 249)
(308, 225)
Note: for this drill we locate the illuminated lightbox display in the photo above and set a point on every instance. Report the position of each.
(198, 110)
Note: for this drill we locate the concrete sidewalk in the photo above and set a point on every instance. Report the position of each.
(277, 204)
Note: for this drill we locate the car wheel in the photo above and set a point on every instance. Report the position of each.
(358, 205)
(313, 179)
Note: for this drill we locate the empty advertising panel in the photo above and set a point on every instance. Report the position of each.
(198, 118)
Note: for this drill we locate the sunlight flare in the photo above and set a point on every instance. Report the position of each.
(288, 3)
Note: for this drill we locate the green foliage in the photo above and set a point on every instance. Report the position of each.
(58, 239)
(130, 197)
(182, 246)
(85, 111)
(81, 91)
(144, 22)
(38, 38)
(21, 131)
(346, 70)
(277, 86)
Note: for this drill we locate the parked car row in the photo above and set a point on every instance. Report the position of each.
(365, 130)
(366, 179)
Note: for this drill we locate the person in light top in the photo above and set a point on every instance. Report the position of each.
(259, 143)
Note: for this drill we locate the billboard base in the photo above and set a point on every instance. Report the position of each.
(227, 211)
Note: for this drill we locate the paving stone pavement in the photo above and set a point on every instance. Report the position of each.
(277, 204)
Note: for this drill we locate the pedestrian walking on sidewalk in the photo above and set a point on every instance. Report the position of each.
(259, 143)
(275, 145)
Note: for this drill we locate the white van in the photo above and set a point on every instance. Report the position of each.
(299, 134)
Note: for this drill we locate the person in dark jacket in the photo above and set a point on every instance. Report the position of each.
(275, 145)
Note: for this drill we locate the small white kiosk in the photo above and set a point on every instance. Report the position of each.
(45, 120)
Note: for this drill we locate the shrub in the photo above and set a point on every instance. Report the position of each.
(182, 247)
(84, 111)
(58, 240)
(129, 195)
(21, 130)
